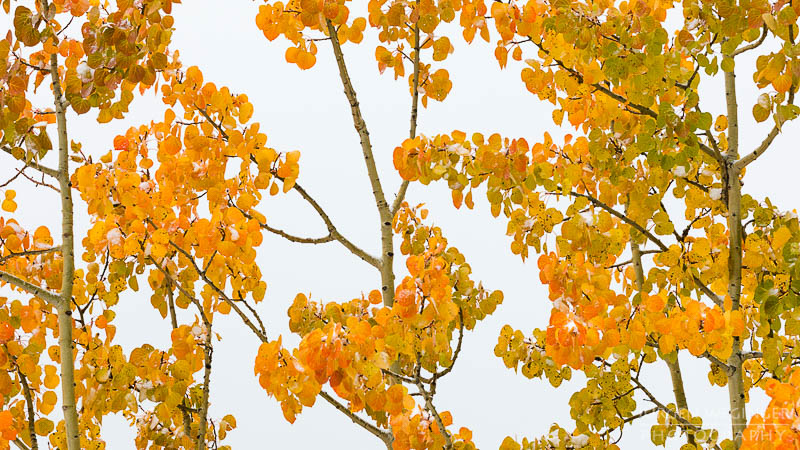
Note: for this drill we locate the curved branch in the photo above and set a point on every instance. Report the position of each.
(26, 389)
(753, 45)
(334, 232)
(297, 239)
(382, 435)
(261, 334)
(412, 132)
(457, 352)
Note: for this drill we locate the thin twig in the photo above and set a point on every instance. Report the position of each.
(29, 253)
(259, 333)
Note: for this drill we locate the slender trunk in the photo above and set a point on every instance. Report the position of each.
(64, 306)
(412, 132)
(187, 418)
(207, 351)
(733, 189)
(387, 245)
(674, 367)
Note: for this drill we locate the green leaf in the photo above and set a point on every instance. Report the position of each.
(771, 307)
(728, 64)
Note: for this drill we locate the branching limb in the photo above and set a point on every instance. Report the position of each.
(700, 285)
(752, 45)
(387, 245)
(261, 334)
(646, 412)
(457, 352)
(334, 232)
(714, 360)
(34, 165)
(762, 148)
(380, 434)
(44, 294)
(671, 412)
(29, 253)
(631, 106)
(208, 352)
(20, 445)
(448, 440)
(219, 128)
(629, 261)
(187, 415)
(752, 355)
(297, 239)
(64, 305)
(358, 121)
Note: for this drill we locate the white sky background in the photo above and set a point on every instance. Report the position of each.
(307, 111)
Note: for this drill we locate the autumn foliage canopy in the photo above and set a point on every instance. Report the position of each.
(643, 234)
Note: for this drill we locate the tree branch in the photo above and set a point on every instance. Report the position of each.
(762, 148)
(457, 352)
(412, 132)
(29, 253)
(296, 239)
(44, 294)
(20, 445)
(670, 412)
(387, 245)
(208, 351)
(261, 334)
(625, 263)
(752, 45)
(382, 435)
(700, 285)
(34, 165)
(26, 390)
(334, 232)
(64, 305)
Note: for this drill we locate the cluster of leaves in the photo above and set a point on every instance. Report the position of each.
(367, 352)
(116, 51)
(776, 428)
(405, 29)
(644, 138)
(177, 199)
(148, 198)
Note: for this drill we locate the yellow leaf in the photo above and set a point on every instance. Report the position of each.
(9, 205)
(509, 444)
(781, 237)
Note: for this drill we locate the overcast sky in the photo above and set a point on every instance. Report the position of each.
(307, 111)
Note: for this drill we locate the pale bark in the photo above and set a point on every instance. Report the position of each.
(736, 391)
(208, 351)
(64, 306)
(387, 245)
(382, 435)
(412, 130)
